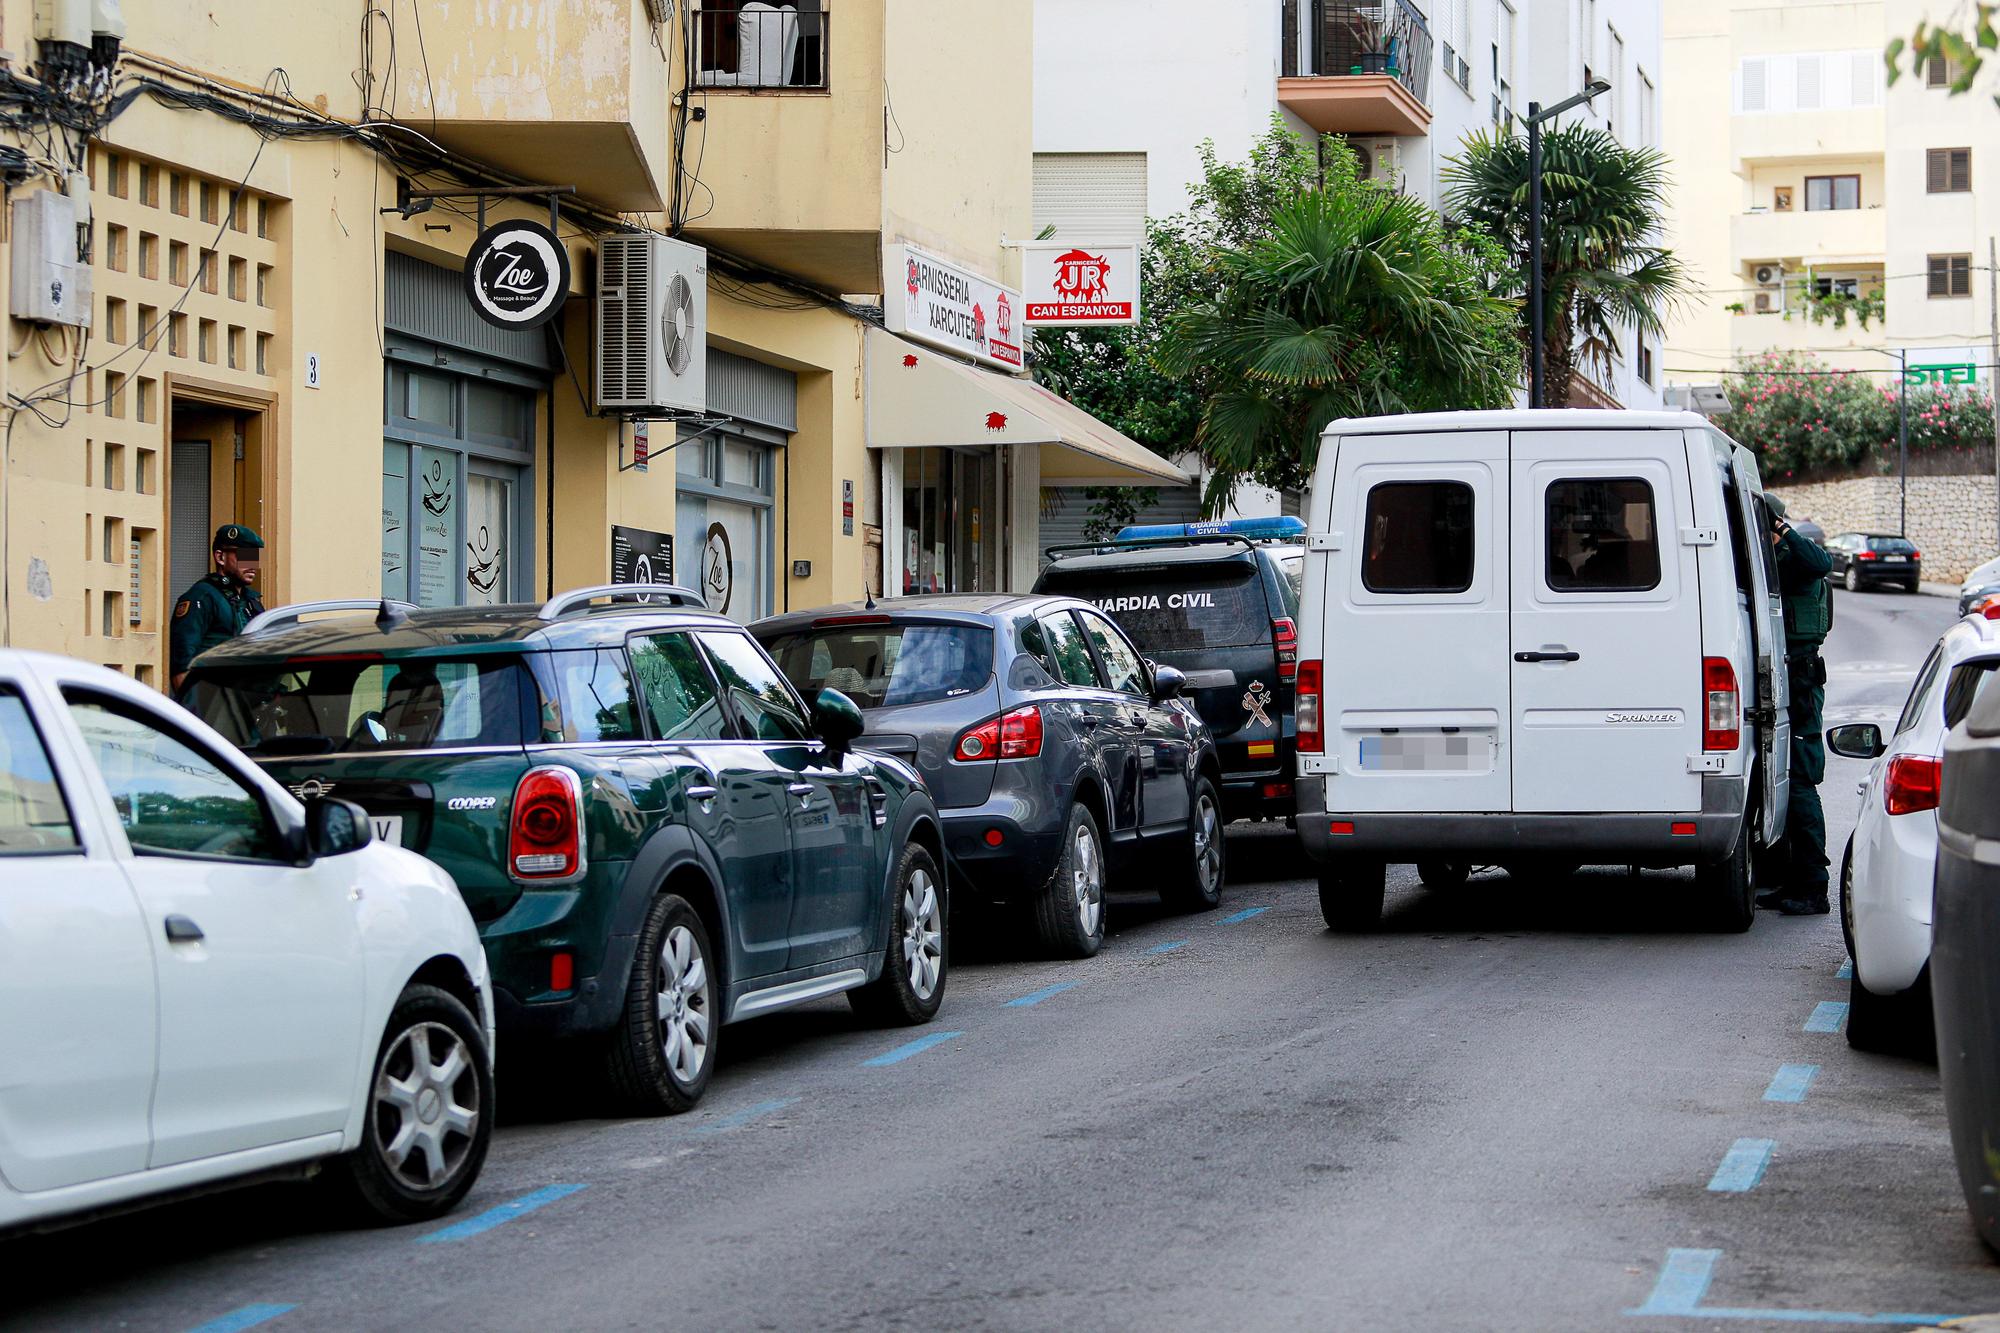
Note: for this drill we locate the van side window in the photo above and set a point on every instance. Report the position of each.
(1602, 536)
(1739, 542)
(1417, 537)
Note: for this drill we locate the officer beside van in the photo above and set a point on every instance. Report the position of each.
(1803, 566)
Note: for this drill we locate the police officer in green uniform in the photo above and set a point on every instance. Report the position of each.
(219, 604)
(1802, 570)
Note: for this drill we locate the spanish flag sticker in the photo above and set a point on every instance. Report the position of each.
(1263, 749)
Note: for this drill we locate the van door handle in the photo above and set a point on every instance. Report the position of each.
(1548, 657)
(183, 930)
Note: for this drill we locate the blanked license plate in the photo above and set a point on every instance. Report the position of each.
(388, 828)
(1427, 753)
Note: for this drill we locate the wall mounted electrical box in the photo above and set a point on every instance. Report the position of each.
(49, 285)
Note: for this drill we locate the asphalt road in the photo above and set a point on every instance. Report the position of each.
(1503, 1111)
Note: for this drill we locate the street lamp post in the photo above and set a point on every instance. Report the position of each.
(1536, 115)
(1902, 441)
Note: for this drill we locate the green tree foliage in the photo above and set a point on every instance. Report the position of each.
(1805, 420)
(1603, 269)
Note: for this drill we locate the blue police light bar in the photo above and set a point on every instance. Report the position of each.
(1278, 528)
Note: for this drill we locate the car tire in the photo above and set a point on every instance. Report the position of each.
(1853, 579)
(1847, 898)
(663, 1048)
(1350, 895)
(432, 1063)
(1195, 885)
(917, 955)
(1443, 876)
(1900, 1024)
(1726, 887)
(1069, 911)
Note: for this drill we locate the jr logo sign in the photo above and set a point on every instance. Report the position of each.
(1070, 285)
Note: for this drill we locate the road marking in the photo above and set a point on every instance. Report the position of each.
(1684, 1280)
(506, 1212)
(1243, 915)
(1742, 1166)
(1846, 972)
(1827, 1016)
(746, 1115)
(1168, 947)
(1789, 1084)
(248, 1317)
(1044, 993)
(908, 1049)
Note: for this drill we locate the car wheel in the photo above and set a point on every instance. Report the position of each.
(1899, 1024)
(1727, 888)
(1847, 897)
(1350, 894)
(1853, 579)
(663, 1049)
(1069, 911)
(1197, 885)
(911, 986)
(430, 1112)
(1443, 875)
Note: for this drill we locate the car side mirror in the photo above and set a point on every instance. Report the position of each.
(1856, 740)
(1168, 683)
(837, 719)
(335, 827)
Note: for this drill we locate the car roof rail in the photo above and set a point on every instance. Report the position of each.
(1111, 546)
(579, 599)
(387, 611)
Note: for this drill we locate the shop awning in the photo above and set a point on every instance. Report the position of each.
(918, 398)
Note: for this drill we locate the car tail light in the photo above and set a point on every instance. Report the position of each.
(562, 971)
(1305, 708)
(1285, 637)
(1913, 784)
(545, 839)
(1989, 607)
(1015, 735)
(1865, 555)
(1916, 555)
(1722, 721)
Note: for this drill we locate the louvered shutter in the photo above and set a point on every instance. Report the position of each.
(1754, 80)
(1091, 196)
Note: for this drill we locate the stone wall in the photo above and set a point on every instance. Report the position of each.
(1951, 518)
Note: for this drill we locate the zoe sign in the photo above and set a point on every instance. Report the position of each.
(517, 275)
(1069, 285)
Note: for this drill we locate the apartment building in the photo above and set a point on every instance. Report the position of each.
(1126, 90)
(1812, 192)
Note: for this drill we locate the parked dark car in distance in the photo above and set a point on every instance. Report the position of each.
(654, 833)
(1872, 559)
(1060, 760)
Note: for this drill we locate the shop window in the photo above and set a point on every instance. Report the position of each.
(950, 512)
(723, 523)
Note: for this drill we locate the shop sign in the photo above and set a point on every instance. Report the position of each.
(1080, 286)
(936, 302)
(640, 555)
(517, 275)
(1940, 366)
(847, 508)
(718, 569)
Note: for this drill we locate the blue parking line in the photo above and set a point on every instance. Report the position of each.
(908, 1049)
(1789, 1084)
(1168, 947)
(1742, 1166)
(1846, 972)
(1044, 993)
(746, 1115)
(506, 1212)
(248, 1317)
(1243, 915)
(1827, 1016)
(1684, 1280)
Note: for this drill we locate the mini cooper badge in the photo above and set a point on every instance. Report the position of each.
(311, 789)
(1254, 700)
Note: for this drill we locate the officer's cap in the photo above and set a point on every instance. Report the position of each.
(1775, 503)
(237, 537)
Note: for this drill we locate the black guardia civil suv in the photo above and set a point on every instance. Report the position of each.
(1062, 762)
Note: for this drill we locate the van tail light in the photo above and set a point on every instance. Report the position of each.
(1914, 783)
(1865, 555)
(545, 836)
(1015, 735)
(1722, 719)
(1285, 637)
(1306, 706)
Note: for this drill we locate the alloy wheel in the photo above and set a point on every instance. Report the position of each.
(684, 1005)
(923, 934)
(1088, 882)
(1207, 844)
(427, 1105)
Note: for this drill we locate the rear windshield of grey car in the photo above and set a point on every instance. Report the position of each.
(886, 665)
(1182, 606)
(360, 704)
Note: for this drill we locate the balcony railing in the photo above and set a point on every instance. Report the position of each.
(759, 45)
(1322, 39)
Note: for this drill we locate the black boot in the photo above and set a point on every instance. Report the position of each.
(1805, 905)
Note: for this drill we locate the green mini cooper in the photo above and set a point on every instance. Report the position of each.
(654, 832)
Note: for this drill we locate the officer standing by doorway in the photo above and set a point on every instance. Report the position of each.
(219, 604)
(1802, 569)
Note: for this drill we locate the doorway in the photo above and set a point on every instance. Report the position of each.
(219, 470)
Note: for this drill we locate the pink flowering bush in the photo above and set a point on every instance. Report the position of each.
(1803, 418)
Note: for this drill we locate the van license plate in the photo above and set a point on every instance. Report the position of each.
(1433, 753)
(388, 828)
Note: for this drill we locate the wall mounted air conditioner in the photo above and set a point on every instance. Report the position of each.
(652, 325)
(1378, 160)
(1769, 275)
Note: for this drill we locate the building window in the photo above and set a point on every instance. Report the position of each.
(1836, 286)
(1645, 363)
(1828, 193)
(1649, 112)
(1948, 275)
(725, 488)
(1617, 75)
(1948, 170)
(1586, 37)
(1938, 72)
(753, 44)
(1454, 26)
(1503, 65)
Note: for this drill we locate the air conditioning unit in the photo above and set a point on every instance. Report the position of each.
(1770, 275)
(652, 324)
(1378, 160)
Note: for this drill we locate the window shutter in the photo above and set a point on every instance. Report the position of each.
(1934, 171)
(1863, 73)
(1938, 278)
(1961, 169)
(1754, 85)
(1809, 83)
(1091, 196)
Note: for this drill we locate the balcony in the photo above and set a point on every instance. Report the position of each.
(1821, 237)
(1356, 69)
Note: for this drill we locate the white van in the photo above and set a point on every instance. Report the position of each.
(1539, 639)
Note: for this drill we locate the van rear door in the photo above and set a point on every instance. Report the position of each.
(1769, 706)
(1606, 652)
(1414, 640)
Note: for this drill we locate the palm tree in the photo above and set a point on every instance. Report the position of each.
(1355, 302)
(1602, 266)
